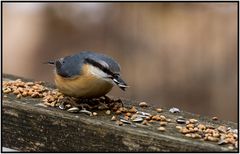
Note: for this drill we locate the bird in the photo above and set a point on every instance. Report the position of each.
(87, 74)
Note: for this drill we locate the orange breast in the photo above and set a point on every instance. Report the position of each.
(84, 86)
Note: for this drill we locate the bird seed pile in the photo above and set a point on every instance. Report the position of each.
(133, 116)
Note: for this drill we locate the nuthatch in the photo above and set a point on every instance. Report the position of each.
(87, 75)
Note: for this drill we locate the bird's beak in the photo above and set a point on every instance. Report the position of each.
(49, 62)
(121, 84)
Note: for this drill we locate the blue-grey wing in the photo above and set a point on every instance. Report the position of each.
(71, 66)
(104, 60)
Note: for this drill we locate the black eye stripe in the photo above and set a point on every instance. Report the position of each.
(98, 65)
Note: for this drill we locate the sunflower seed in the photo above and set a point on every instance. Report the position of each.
(174, 110)
(181, 120)
(138, 119)
(86, 111)
(125, 121)
(144, 113)
(62, 106)
(73, 110)
(214, 118)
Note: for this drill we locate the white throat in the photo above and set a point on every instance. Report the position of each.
(99, 73)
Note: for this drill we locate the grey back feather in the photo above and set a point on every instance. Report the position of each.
(72, 65)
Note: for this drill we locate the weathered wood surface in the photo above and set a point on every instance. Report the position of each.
(29, 127)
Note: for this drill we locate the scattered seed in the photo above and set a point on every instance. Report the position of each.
(151, 121)
(214, 139)
(113, 118)
(162, 129)
(144, 113)
(174, 110)
(215, 134)
(184, 130)
(126, 117)
(147, 117)
(193, 121)
(196, 136)
(162, 123)
(86, 112)
(222, 129)
(221, 134)
(7, 90)
(181, 120)
(132, 110)
(67, 105)
(118, 112)
(214, 118)
(53, 104)
(235, 131)
(62, 106)
(124, 110)
(108, 112)
(143, 104)
(162, 118)
(231, 140)
(128, 114)
(201, 126)
(73, 110)
(30, 83)
(190, 126)
(230, 147)
(145, 122)
(179, 127)
(125, 121)
(235, 136)
(159, 110)
(19, 96)
(24, 94)
(134, 116)
(236, 144)
(195, 129)
(138, 119)
(209, 126)
(35, 95)
(15, 92)
(168, 120)
(156, 117)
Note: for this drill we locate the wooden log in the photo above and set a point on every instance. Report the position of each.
(27, 126)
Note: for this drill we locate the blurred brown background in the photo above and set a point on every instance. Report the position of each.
(172, 54)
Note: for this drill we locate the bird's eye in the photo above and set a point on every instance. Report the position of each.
(116, 74)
